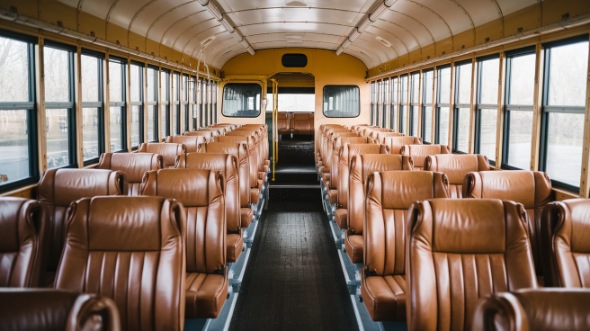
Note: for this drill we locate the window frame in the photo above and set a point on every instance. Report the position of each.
(99, 105)
(349, 94)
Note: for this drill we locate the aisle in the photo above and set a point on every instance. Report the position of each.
(294, 280)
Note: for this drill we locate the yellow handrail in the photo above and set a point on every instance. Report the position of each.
(275, 123)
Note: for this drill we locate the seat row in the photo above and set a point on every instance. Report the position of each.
(295, 123)
(206, 268)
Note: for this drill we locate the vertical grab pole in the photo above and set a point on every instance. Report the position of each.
(275, 122)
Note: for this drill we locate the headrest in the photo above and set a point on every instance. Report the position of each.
(191, 187)
(63, 186)
(225, 163)
(123, 223)
(456, 166)
(534, 309)
(133, 165)
(20, 219)
(395, 143)
(339, 141)
(238, 149)
(366, 164)
(248, 140)
(531, 188)
(207, 134)
(400, 189)
(471, 226)
(190, 142)
(169, 151)
(570, 220)
(347, 151)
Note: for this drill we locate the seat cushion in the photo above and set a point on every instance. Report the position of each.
(385, 297)
(254, 195)
(341, 218)
(205, 295)
(246, 215)
(233, 244)
(354, 247)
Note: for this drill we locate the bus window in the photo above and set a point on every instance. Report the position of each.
(563, 111)
(241, 100)
(341, 101)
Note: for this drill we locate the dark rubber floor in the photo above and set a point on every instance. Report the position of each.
(294, 280)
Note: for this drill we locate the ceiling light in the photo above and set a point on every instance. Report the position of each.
(385, 42)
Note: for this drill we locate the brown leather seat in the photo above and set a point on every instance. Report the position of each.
(389, 195)
(456, 167)
(361, 166)
(380, 137)
(284, 122)
(303, 124)
(253, 157)
(22, 237)
(565, 240)
(189, 142)
(534, 309)
(395, 143)
(240, 151)
(420, 152)
(331, 185)
(58, 188)
(130, 249)
(530, 188)
(132, 165)
(169, 152)
(228, 166)
(50, 309)
(459, 251)
(341, 177)
(201, 194)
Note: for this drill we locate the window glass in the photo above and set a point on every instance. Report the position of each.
(90, 78)
(564, 147)
(57, 138)
(135, 125)
(444, 85)
(14, 145)
(116, 72)
(487, 133)
(136, 74)
(488, 81)
(14, 70)
(520, 137)
(165, 111)
(293, 102)
(567, 74)
(117, 139)
(443, 126)
(239, 100)
(90, 133)
(462, 130)
(394, 102)
(463, 78)
(57, 74)
(403, 114)
(521, 78)
(428, 78)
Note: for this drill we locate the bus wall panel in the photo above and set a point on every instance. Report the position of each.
(489, 32)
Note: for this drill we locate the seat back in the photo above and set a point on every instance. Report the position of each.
(240, 151)
(50, 309)
(227, 165)
(534, 309)
(130, 249)
(132, 165)
(200, 192)
(380, 136)
(169, 152)
(207, 135)
(565, 239)
(456, 166)
(284, 122)
(459, 251)
(389, 195)
(58, 188)
(395, 143)
(22, 237)
(420, 152)
(253, 153)
(530, 188)
(337, 145)
(189, 142)
(347, 152)
(361, 166)
(303, 124)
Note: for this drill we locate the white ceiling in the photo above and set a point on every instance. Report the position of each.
(407, 25)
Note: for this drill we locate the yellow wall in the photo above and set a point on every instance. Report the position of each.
(327, 68)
